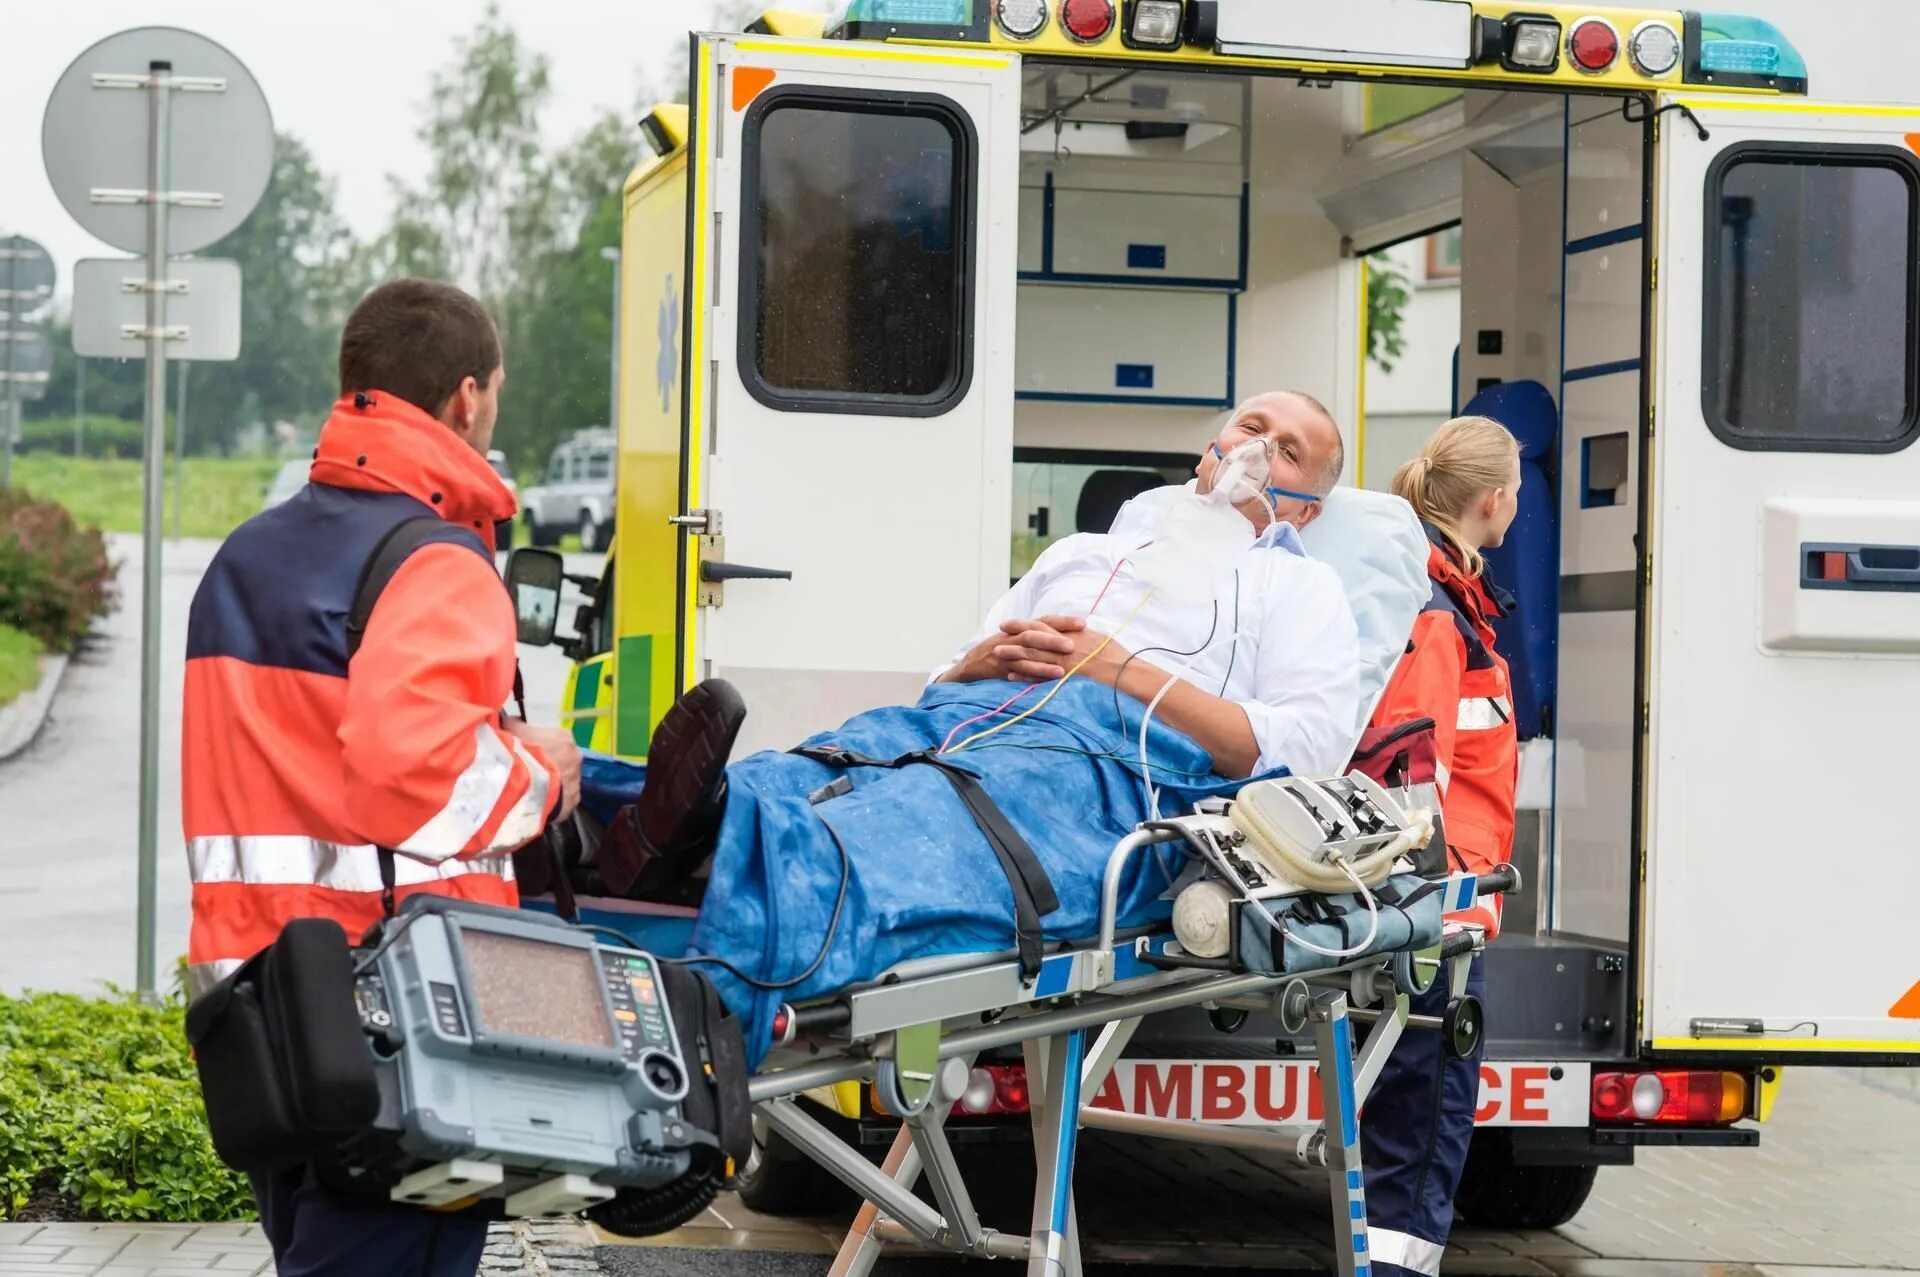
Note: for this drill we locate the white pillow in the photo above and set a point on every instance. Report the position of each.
(1376, 544)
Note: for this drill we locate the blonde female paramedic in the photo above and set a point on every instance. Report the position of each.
(1418, 1120)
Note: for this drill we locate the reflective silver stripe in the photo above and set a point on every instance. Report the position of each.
(1415, 1254)
(476, 793)
(1483, 713)
(291, 860)
(1441, 776)
(202, 976)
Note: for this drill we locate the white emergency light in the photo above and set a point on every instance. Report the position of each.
(1533, 44)
(1654, 48)
(1155, 24)
(1021, 19)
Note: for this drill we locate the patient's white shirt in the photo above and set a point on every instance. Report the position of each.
(1294, 669)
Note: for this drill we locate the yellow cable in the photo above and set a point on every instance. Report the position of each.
(1062, 683)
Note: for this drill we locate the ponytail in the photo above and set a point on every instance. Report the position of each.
(1466, 458)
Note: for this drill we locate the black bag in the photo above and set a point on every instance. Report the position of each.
(283, 1062)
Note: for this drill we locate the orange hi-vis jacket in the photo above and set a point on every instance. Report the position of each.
(296, 763)
(1452, 675)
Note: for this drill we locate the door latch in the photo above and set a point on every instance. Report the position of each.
(715, 572)
(704, 523)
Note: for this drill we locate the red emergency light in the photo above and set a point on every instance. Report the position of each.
(1594, 44)
(994, 1089)
(1086, 20)
(1670, 1097)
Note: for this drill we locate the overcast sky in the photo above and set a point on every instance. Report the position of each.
(348, 77)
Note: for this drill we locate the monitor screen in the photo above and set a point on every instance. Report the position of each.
(534, 989)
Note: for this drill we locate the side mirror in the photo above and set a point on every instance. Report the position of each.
(534, 579)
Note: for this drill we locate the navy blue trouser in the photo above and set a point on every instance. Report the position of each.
(1414, 1133)
(315, 1233)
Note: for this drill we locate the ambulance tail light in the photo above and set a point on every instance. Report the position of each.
(1670, 1097)
(994, 1090)
(1087, 20)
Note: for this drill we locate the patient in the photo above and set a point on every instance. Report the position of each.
(1267, 674)
(1283, 693)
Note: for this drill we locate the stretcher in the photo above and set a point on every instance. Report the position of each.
(914, 1034)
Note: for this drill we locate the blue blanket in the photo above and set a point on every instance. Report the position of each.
(923, 879)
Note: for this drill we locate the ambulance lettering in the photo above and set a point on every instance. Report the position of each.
(1262, 1093)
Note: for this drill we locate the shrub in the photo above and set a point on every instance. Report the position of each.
(99, 436)
(99, 1101)
(55, 580)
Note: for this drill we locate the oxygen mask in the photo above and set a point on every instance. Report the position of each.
(1204, 535)
(1240, 476)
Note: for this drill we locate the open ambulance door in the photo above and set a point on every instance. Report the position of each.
(849, 370)
(1782, 676)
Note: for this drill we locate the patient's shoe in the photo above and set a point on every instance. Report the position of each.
(656, 847)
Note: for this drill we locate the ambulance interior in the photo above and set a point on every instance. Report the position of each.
(1188, 239)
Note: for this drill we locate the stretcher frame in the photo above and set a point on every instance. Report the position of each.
(1072, 1022)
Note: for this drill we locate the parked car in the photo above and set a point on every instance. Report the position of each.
(577, 495)
(292, 478)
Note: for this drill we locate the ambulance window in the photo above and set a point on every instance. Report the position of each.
(1810, 305)
(1058, 492)
(599, 465)
(856, 279)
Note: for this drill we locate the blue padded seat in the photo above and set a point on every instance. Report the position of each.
(1528, 564)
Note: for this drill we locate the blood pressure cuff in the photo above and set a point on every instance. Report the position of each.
(1410, 918)
(284, 1065)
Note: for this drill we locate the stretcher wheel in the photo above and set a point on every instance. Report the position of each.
(1227, 1019)
(1461, 1027)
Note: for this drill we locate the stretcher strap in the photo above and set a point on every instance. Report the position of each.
(1033, 894)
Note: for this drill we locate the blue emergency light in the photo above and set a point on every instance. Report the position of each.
(946, 13)
(1733, 44)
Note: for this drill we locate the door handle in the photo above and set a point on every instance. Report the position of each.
(1860, 567)
(713, 570)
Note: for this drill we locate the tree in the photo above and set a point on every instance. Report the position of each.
(1386, 303)
(298, 278)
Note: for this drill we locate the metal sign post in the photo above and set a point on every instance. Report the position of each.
(206, 159)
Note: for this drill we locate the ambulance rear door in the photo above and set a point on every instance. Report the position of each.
(849, 369)
(1782, 680)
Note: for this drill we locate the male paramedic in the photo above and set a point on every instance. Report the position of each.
(298, 761)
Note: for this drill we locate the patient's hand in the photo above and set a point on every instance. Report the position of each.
(1022, 652)
(1053, 646)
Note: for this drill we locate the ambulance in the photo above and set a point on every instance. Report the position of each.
(914, 290)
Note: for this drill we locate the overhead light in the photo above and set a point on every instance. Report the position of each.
(1532, 44)
(1154, 24)
(1087, 20)
(1654, 48)
(1021, 19)
(1593, 45)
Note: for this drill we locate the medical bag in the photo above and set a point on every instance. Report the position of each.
(1406, 757)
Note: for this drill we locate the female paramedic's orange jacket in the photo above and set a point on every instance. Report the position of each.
(292, 770)
(1452, 675)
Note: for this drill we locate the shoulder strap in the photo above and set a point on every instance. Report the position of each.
(392, 550)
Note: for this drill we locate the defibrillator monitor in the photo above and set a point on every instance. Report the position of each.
(518, 1041)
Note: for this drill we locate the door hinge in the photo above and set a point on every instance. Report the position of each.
(704, 523)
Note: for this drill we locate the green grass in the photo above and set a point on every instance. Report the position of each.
(19, 671)
(221, 492)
